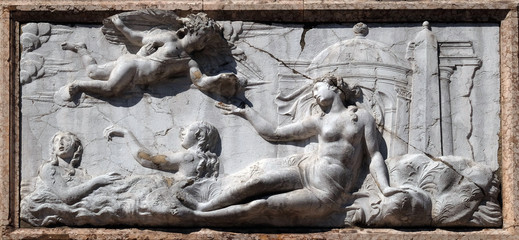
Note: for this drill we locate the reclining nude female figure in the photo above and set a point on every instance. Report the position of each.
(309, 183)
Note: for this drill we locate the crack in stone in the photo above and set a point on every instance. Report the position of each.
(39, 116)
(469, 135)
(164, 132)
(302, 42)
(278, 60)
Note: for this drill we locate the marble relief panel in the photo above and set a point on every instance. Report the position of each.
(154, 119)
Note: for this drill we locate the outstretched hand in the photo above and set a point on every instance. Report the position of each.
(114, 131)
(116, 20)
(229, 109)
(389, 191)
(147, 49)
(108, 178)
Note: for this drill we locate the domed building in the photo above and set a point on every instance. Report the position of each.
(383, 77)
(409, 98)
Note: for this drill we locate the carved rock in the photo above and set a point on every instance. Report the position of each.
(280, 125)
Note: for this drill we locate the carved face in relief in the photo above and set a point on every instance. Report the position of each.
(411, 207)
(188, 136)
(195, 41)
(198, 30)
(63, 145)
(323, 93)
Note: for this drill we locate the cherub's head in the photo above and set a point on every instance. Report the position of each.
(201, 135)
(197, 31)
(66, 146)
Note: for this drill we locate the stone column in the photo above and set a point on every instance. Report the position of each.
(446, 120)
(458, 64)
(424, 122)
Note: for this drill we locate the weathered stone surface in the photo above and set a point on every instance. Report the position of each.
(259, 234)
(459, 10)
(140, 76)
(509, 137)
(6, 120)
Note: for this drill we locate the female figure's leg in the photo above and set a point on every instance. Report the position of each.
(267, 176)
(94, 71)
(279, 207)
(120, 78)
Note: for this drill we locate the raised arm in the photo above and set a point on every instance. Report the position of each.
(295, 131)
(144, 156)
(198, 79)
(135, 37)
(73, 194)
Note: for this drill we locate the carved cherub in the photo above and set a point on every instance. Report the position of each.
(59, 173)
(168, 46)
(199, 160)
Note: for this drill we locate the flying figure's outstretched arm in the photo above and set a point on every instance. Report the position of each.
(223, 84)
(135, 37)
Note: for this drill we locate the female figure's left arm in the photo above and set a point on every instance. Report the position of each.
(377, 166)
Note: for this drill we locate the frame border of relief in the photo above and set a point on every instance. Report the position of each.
(13, 13)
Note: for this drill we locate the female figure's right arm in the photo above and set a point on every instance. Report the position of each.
(295, 131)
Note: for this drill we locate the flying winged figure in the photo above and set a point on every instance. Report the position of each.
(161, 45)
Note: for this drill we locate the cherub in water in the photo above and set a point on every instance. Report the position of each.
(164, 53)
(198, 160)
(60, 173)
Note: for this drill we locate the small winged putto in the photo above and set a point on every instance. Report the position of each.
(161, 45)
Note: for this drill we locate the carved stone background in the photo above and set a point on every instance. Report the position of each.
(276, 60)
(272, 51)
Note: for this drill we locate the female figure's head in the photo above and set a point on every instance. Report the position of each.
(325, 88)
(66, 146)
(201, 135)
(203, 138)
